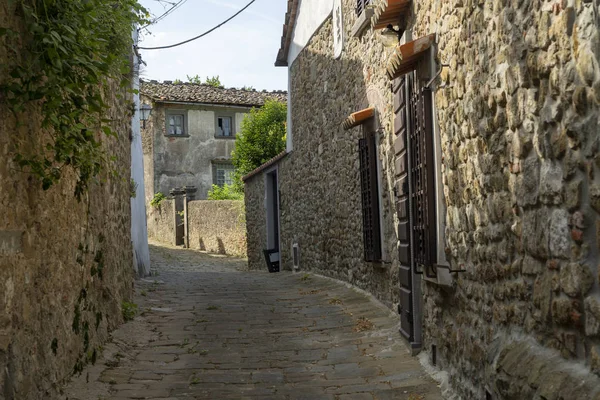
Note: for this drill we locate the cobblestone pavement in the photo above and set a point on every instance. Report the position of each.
(207, 329)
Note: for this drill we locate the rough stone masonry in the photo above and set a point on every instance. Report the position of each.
(65, 266)
(518, 117)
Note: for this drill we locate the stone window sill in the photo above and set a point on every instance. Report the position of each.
(443, 277)
(177, 136)
(362, 22)
(225, 137)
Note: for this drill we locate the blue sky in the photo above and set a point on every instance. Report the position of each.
(242, 52)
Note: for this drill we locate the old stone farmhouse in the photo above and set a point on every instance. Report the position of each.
(191, 133)
(449, 166)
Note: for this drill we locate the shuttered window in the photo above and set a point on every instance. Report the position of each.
(422, 193)
(361, 5)
(370, 198)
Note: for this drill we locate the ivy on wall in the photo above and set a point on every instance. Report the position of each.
(64, 63)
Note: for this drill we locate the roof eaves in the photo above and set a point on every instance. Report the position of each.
(286, 37)
(265, 165)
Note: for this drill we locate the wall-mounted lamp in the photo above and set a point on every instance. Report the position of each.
(390, 31)
(389, 36)
(145, 111)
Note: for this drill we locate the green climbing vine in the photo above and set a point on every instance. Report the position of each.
(71, 53)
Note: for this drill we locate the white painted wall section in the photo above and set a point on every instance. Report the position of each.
(139, 230)
(311, 15)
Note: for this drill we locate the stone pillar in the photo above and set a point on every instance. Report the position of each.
(177, 194)
(189, 195)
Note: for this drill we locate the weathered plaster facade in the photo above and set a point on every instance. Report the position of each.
(517, 116)
(65, 266)
(172, 161)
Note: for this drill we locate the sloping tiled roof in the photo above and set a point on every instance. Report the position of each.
(206, 94)
(286, 37)
(264, 166)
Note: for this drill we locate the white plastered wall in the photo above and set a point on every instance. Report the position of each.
(311, 15)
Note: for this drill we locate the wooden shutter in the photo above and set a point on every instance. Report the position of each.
(361, 5)
(423, 179)
(370, 198)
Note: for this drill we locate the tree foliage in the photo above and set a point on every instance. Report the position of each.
(262, 137)
(64, 62)
(225, 192)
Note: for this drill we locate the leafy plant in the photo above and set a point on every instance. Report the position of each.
(261, 138)
(157, 199)
(225, 192)
(214, 81)
(133, 186)
(64, 65)
(129, 310)
(194, 79)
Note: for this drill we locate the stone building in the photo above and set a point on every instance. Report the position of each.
(191, 133)
(448, 164)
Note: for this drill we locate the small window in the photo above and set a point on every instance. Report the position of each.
(361, 5)
(370, 197)
(176, 123)
(222, 174)
(224, 126)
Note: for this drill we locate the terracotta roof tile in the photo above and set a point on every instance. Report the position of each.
(206, 94)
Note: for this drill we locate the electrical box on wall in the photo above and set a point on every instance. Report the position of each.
(296, 256)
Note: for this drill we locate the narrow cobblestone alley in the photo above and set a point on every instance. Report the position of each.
(207, 329)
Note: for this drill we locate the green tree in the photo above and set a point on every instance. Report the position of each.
(261, 138)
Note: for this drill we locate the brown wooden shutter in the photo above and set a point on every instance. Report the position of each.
(423, 179)
(370, 198)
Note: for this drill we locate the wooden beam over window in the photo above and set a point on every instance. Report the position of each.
(389, 12)
(358, 118)
(407, 56)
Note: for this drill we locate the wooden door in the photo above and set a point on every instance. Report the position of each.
(401, 123)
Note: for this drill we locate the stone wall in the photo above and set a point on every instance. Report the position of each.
(517, 111)
(319, 180)
(65, 266)
(187, 160)
(518, 116)
(217, 226)
(161, 221)
(256, 221)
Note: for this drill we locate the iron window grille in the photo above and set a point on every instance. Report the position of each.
(361, 5)
(223, 174)
(370, 198)
(422, 172)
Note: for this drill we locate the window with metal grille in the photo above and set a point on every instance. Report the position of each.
(361, 5)
(422, 193)
(223, 174)
(370, 198)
